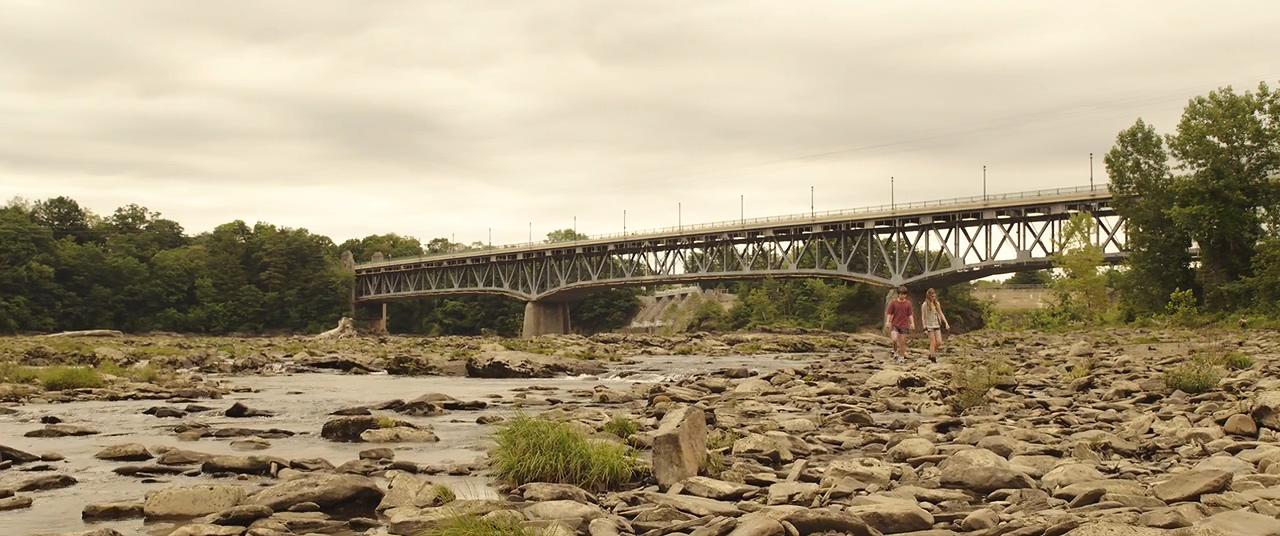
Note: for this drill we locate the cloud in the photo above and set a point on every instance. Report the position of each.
(431, 119)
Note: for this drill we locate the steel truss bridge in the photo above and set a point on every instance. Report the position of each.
(918, 245)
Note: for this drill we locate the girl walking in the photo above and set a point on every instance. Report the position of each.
(934, 320)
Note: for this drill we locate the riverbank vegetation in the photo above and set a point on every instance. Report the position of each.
(1202, 212)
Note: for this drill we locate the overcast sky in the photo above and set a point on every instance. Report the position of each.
(440, 118)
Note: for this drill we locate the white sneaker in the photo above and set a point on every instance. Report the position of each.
(902, 360)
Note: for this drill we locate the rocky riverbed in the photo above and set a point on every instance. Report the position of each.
(1030, 434)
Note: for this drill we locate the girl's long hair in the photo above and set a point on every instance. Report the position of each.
(931, 298)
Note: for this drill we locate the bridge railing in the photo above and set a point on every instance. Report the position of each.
(807, 216)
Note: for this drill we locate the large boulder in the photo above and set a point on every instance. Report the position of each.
(1191, 485)
(821, 520)
(16, 456)
(982, 471)
(398, 434)
(349, 428)
(244, 465)
(192, 501)
(1241, 523)
(512, 364)
(680, 445)
(1266, 409)
(356, 492)
(127, 452)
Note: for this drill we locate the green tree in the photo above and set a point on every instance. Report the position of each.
(1229, 145)
(1030, 277)
(1081, 291)
(65, 217)
(564, 235)
(1145, 194)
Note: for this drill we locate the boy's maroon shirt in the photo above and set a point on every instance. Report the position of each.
(900, 313)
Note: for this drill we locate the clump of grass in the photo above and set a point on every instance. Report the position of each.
(621, 427)
(971, 382)
(386, 422)
(146, 374)
(1082, 368)
(748, 348)
(14, 373)
(682, 349)
(719, 439)
(533, 449)
(473, 525)
(533, 346)
(444, 493)
(715, 464)
(63, 378)
(1149, 339)
(1192, 377)
(1236, 361)
(592, 355)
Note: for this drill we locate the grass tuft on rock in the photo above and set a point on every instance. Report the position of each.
(473, 525)
(1237, 361)
(621, 427)
(146, 374)
(444, 493)
(1192, 377)
(971, 382)
(531, 449)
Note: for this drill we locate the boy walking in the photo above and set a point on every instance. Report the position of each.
(900, 319)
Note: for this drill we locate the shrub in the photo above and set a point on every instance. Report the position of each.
(386, 422)
(621, 427)
(533, 449)
(1237, 361)
(1082, 368)
(63, 378)
(472, 525)
(14, 373)
(1192, 377)
(971, 382)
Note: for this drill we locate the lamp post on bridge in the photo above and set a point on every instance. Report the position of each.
(679, 217)
(742, 211)
(624, 222)
(984, 184)
(893, 203)
(530, 232)
(812, 212)
(1090, 172)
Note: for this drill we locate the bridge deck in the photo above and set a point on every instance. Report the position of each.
(1081, 194)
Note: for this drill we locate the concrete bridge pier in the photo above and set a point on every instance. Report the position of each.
(545, 318)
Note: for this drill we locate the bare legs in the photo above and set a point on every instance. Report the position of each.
(900, 344)
(935, 340)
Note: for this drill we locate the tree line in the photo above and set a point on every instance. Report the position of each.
(1202, 208)
(62, 267)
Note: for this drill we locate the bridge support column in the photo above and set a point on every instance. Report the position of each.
(545, 318)
(382, 320)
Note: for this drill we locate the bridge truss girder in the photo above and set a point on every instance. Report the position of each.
(914, 250)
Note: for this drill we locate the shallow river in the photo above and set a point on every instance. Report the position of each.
(302, 403)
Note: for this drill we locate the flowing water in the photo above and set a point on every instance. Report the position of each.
(302, 403)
